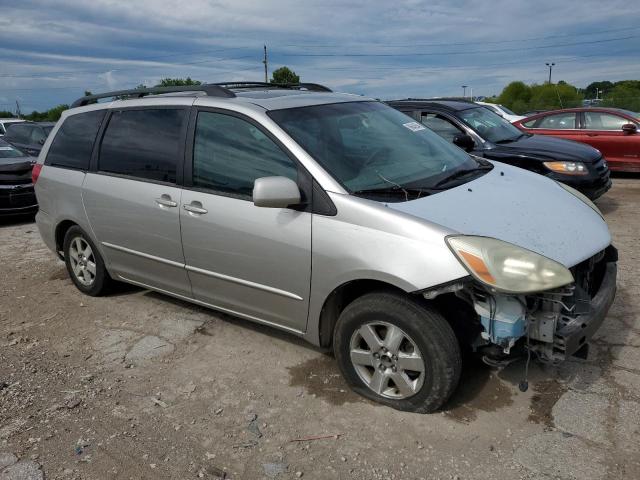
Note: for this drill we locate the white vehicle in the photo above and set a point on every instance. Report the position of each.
(5, 122)
(503, 111)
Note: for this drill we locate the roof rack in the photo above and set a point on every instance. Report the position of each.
(312, 87)
(210, 89)
(445, 99)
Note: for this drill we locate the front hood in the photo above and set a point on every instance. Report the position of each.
(16, 164)
(519, 207)
(547, 148)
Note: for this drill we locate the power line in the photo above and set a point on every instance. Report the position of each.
(155, 57)
(425, 54)
(472, 43)
(71, 72)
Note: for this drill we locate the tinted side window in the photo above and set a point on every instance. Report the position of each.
(38, 135)
(229, 154)
(603, 121)
(441, 126)
(17, 133)
(560, 121)
(143, 143)
(73, 144)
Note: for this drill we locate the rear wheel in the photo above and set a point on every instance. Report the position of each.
(396, 351)
(84, 263)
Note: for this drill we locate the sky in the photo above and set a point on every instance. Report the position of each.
(52, 51)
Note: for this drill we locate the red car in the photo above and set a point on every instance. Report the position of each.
(613, 131)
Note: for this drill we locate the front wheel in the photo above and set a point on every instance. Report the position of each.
(396, 351)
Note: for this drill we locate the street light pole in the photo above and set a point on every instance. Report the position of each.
(464, 91)
(550, 65)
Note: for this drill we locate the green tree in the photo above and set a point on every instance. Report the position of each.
(604, 86)
(520, 97)
(6, 114)
(176, 82)
(284, 75)
(625, 94)
(516, 96)
(51, 115)
(549, 96)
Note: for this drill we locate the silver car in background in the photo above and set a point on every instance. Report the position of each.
(333, 217)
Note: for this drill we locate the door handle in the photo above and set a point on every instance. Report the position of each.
(165, 201)
(592, 134)
(195, 208)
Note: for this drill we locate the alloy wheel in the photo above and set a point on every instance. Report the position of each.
(82, 261)
(387, 360)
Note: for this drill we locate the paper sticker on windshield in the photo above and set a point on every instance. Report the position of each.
(4, 149)
(414, 126)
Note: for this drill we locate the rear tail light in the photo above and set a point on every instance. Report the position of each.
(35, 172)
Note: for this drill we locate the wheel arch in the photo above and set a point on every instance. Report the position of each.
(342, 296)
(61, 230)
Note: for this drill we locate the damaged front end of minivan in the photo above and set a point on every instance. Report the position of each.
(524, 303)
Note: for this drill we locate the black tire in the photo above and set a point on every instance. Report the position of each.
(427, 329)
(102, 282)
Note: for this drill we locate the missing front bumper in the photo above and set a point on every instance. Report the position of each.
(570, 337)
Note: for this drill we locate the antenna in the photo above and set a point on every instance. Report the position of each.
(266, 69)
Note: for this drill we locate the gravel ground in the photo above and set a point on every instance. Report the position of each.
(137, 385)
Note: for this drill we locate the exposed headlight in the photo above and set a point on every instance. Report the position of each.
(568, 168)
(582, 197)
(506, 267)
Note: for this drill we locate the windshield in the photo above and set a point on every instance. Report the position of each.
(8, 151)
(368, 146)
(489, 125)
(48, 129)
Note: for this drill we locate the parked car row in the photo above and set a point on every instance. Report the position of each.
(613, 131)
(338, 219)
(482, 132)
(16, 189)
(6, 122)
(28, 136)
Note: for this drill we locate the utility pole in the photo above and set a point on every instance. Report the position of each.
(550, 65)
(266, 69)
(464, 91)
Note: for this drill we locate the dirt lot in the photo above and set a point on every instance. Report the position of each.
(137, 385)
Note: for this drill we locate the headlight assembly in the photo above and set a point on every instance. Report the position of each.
(568, 168)
(506, 267)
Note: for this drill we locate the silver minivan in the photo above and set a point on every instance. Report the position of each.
(333, 217)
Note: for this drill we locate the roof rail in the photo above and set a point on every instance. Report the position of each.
(209, 89)
(312, 87)
(440, 99)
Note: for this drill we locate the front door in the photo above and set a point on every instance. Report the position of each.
(603, 131)
(132, 200)
(247, 260)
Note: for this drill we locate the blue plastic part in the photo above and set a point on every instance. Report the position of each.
(501, 332)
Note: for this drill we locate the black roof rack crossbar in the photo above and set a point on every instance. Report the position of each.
(313, 87)
(209, 89)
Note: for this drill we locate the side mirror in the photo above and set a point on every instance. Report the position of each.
(629, 128)
(41, 141)
(464, 141)
(275, 192)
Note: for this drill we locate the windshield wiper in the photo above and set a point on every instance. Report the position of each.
(396, 190)
(461, 173)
